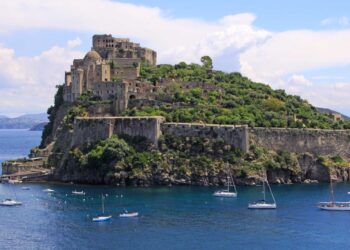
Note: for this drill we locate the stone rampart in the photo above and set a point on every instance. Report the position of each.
(93, 129)
(236, 136)
(316, 141)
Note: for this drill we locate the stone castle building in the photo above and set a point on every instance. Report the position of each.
(110, 71)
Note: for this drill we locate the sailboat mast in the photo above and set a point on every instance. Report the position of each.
(332, 191)
(228, 183)
(103, 205)
(264, 193)
(273, 197)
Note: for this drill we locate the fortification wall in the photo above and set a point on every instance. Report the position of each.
(236, 136)
(316, 141)
(93, 129)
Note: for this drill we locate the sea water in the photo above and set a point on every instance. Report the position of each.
(169, 218)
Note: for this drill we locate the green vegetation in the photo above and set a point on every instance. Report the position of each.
(334, 161)
(52, 111)
(193, 159)
(228, 98)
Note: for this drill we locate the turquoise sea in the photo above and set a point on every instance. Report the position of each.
(170, 218)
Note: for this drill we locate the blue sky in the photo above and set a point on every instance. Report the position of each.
(300, 46)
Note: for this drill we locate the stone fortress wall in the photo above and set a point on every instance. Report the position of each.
(315, 141)
(236, 136)
(93, 129)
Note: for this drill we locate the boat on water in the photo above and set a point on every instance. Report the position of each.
(78, 192)
(25, 188)
(102, 217)
(48, 190)
(227, 192)
(14, 181)
(333, 205)
(263, 204)
(127, 214)
(10, 202)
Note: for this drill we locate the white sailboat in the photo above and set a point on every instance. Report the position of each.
(102, 217)
(334, 205)
(263, 204)
(227, 192)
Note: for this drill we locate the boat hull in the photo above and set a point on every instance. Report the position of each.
(129, 215)
(10, 203)
(225, 194)
(101, 218)
(262, 206)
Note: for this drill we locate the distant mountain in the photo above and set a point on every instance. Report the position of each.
(22, 122)
(3, 116)
(38, 127)
(330, 111)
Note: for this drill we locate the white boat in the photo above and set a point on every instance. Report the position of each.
(14, 181)
(102, 217)
(78, 192)
(227, 192)
(126, 214)
(10, 202)
(263, 204)
(334, 205)
(48, 190)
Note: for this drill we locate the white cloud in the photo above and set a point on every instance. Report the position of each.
(341, 21)
(291, 52)
(174, 38)
(74, 43)
(29, 82)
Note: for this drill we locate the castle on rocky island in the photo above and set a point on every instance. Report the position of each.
(111, 71)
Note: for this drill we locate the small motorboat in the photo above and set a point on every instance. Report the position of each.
(10, 202)
(78, 192)
(25, 188)
(48, 190)
(127, 214)
(334, 206)
(101, 218)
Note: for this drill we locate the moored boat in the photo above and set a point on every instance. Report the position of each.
(10, 202)
(227, 192)
(102, 217)
(127, 214)
(334, 206)
(263, 204)
(48, 190)
(78, 192)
